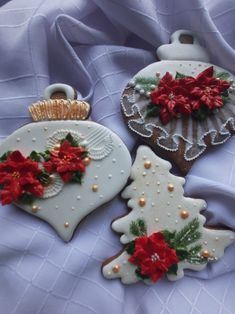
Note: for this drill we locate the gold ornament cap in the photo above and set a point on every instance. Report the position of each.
(59, 103)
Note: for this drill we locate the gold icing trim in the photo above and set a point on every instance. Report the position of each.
(59, 109)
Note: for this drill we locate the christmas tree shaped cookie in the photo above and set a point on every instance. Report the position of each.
(164, 232)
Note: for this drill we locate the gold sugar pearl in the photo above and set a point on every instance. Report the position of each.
(66, 224)
(116, 268)
(142, 201)
(87, 161)
(184, 214)
(34, 209)
(94, 187)
(205, 253)
(147, 164)
(170, 187)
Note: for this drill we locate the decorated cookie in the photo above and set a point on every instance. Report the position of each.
(181, 105)
(164, 232)
(60, 168)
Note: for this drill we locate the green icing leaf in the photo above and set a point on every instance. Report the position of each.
(152, 111)
(173, 269)
(77, 177)
(180, 75)
(4, 156)
(169, 237)
(139, 275)
(201, 114)
(222, 75)
(138, 227)
(71, 140)
(46, 155)
(35, 156)
(130, 248)
(182, 253)
(44, 178)
(26, 198)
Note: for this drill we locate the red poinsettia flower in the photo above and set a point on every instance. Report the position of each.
(66, 161)
(18, 175)
(153, 256)
(172, 98)
(206, 90)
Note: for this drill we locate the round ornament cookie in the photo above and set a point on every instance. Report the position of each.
(181, 105)
(61, 168)
(164, 232)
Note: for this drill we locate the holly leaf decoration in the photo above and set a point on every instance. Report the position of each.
(173, 269)
(179, 75)
(222, 75)
(146, 83)
(71, 140)
(26, 198)
(4, 156)
(35, 156)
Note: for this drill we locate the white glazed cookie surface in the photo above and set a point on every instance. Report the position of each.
(156, 196)
(108, 171)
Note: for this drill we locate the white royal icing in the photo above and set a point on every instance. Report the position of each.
(162, 212)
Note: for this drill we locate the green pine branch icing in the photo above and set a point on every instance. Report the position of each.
(138, 228)
(146, 83)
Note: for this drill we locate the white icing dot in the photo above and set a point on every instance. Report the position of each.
(122, 171)
(179, 206)
(171, 195)
(56, 206)
(101, 196)
(120, 145)
(33, 139)
(145, 157)
(158, 191)
(176, 221)
(168, 203)
(156, 219)
(205, 242)
(144, 174)
(28, 130)
(78, 197)
(217, 239)
(45, 128)
(168, 214)
(73, 208)
(143, 193)
(213, 250)
(95, 177)
(18, 139)
(91, 204)
(157, 165)
(110, 176)
(89, 126)
(113, 160)
(97, 166)
(127, 274)
(109, 273)
(147, 183)
(124, 262)
(152, 204)
(153, 171)
(158, 183)
(142, 210)
(231, 237)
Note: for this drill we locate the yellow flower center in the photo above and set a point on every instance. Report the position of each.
(16, 175)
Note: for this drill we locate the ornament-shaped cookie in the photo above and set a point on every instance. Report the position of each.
(181, 105)
(164, 232)
(61, 168)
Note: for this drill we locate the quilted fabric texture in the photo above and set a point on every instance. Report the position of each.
(97, 46)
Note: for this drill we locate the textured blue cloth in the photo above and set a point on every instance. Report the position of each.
(97, 46)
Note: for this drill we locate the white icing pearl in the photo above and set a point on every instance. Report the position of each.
(110, 176)
(33, 139)
(45, 128)
(143, 193)
(18, 139)
(124, 262)
(132, 83)
(95, 177)
(73, 208)
(158, 191)
(142, 92)
(28, 130)
(168, 214)
(158, 183)
(113, 160)
(144, 157)
(97, 166)
(152, 204)
(213, 250)
(152, 86)
(176, 221)
(56, 206)
(148, 94)
(168, 203)
(144, 174)
(153, 171)
(101, 196)
(122, 171)
(156, 219)
(179, 206)
(205, 242)
(78, 197)
(137, 87)
(217, 239)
